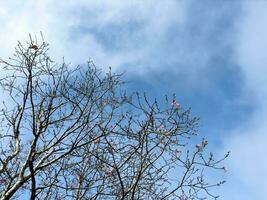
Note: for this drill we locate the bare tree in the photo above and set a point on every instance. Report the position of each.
(73, 133)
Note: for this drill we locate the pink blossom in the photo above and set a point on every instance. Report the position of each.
(110, 172)
(161, 127)
(175, 104)
(198, 146)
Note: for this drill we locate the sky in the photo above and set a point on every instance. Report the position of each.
(211, 54)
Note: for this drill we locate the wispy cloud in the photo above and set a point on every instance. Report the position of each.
(248, 141)
(103, 30)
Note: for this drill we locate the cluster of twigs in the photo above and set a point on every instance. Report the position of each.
(73, 133)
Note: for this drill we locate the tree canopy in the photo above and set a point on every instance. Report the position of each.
(75, 133)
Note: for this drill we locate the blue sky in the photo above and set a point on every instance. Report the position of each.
(212, 54)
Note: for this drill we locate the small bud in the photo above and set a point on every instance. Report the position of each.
(110, 172)
(198, 146)
(173, 141)
(79, 177)
(97, 140)
(224, 169)
(182, 197)
(35, 47)
(3, 181)
(161, 127)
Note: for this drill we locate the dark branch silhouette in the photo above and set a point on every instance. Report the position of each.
(74, 133)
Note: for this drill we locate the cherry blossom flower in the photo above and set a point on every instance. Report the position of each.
(162, 127)
(175, 104)
(198, 146)
(110, 172)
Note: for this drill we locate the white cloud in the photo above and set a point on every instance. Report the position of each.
(248, 161)
(57, 20)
